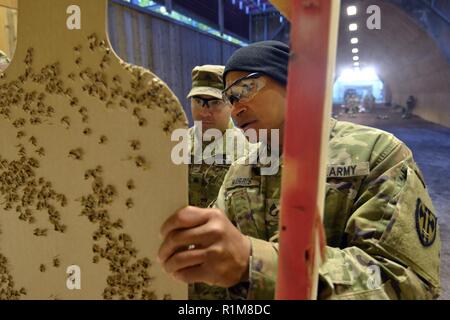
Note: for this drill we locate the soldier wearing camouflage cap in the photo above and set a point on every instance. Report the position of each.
(381, 227)
(209, 112)
(4, 61)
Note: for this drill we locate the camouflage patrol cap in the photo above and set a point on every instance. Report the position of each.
(207, 80)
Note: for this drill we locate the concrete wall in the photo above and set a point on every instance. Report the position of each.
(169, 49)
(433, 17)
(407, 58)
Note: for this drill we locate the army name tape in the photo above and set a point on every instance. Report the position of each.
(346, 171)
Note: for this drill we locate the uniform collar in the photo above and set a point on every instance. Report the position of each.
(333, 123)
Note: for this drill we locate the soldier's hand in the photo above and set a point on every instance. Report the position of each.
(221, 253)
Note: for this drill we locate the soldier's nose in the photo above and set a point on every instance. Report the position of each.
(238, 110)
(206, 112)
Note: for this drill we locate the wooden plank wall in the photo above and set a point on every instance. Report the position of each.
(169, 49)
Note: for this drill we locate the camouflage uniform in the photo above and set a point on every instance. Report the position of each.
(353, 106)
(4, 61)
(205, 179)
(369, 102)
(378, 217)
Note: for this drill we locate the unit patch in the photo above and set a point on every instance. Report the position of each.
(426, 224)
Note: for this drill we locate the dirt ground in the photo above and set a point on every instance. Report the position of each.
(430, 144)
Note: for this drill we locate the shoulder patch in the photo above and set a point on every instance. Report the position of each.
(426, 224)
(346, 171)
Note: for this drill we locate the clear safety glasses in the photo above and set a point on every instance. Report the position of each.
(244, 89)
(213, 104)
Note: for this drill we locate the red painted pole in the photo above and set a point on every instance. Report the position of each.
(313, 44)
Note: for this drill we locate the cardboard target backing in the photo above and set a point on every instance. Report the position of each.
(86, 178)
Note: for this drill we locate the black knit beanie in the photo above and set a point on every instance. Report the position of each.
(268, 57)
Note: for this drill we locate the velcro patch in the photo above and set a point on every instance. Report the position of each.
(426, 224)
(346, 171)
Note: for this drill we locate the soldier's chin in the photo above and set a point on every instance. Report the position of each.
(254, 135)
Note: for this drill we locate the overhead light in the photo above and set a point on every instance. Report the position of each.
(358, 74)
(353, 27)
(355, 58)
(356, 64)
(247, 10)
(355, 50)
(351, 11)
(234, 2)
(241, 5)
(354, 40)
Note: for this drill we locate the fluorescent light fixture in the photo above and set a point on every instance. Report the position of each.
(353, 27)
(354, 40)
(355, 50)
(352, 10)
(356, 64)
(355, 58)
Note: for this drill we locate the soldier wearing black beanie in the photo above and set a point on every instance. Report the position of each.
(235, 243)
(267, 57)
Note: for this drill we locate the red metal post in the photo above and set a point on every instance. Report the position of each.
(313, 44)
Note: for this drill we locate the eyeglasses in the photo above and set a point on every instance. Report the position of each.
(211, 104)
(244, 89)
